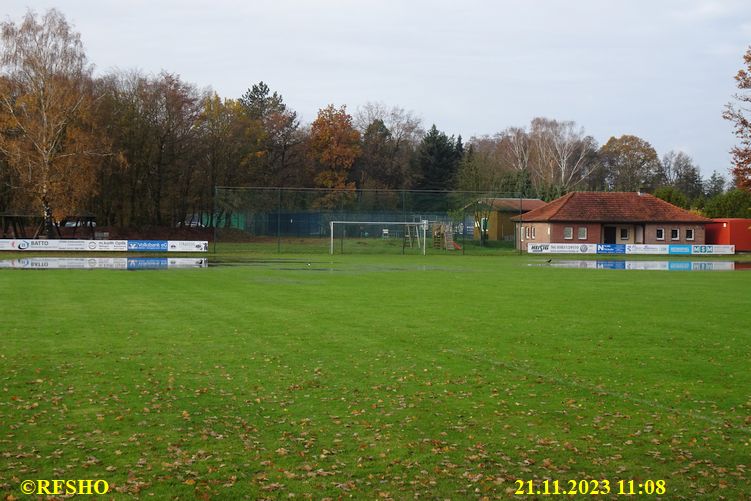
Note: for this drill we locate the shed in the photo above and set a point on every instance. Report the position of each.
(730, 231)
(497, 213)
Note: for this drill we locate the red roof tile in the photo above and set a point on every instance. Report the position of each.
(513, 204)
(612, 207)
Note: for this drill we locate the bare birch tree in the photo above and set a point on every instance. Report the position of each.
(564, 153)
(45, 113)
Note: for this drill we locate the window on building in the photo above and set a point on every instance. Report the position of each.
(675, 234)
(568, 232)
(529, 232)
(582, 234)
(660, 234)
(624, 233)
(689, 234)
(533, 233)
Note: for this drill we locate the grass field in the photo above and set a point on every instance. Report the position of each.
(375, 377)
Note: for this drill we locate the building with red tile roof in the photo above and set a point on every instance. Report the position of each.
(610, 218)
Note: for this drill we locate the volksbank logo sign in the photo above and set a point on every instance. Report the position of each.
(148, 245)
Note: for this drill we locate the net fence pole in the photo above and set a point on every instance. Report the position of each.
(331, 231)
(521, 222)
(279, 221)
(213, 215)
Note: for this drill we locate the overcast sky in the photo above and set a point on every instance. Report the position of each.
(659, 69)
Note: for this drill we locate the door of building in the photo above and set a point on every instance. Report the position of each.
(609, 235)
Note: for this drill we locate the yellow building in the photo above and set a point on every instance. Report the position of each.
(495, 215)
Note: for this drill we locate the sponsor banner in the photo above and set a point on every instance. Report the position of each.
(646, 249)
(147, 245)
(104, 245)
(108, 245)
(188, 246)
(65, 245)
(561, 248)
(674, 249)
(713, 249)
(611, 249)
(679, 249)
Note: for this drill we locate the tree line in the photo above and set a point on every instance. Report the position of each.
(137, 149)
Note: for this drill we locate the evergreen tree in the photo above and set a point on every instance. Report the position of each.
(715, 185)
(437, 161)
(259, 103)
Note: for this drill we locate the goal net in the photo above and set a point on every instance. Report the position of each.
(410, 236)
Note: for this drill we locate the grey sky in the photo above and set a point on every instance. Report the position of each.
(659, 69)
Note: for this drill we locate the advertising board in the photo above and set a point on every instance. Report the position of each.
(147, 245)
(646, 249)
(611, 249)
(187, 246)
(713, 249)
(561, 248)
(679, 249)
(64, 245)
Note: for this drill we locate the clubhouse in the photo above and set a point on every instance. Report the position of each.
(610, 218)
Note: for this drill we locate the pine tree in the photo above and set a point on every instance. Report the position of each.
(437, 161)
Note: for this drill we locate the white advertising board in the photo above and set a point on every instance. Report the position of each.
(562, 248)
(187, 246)
(25, 245)
(64, 245)
(646, 249)
(713, 249)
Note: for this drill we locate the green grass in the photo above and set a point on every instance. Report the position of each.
(375, 376)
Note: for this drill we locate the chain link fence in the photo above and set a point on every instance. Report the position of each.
(364, 221)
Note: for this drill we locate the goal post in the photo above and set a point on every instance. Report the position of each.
(419, 226)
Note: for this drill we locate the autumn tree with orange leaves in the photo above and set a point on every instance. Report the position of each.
(46, 115)
(334, 146)
(740, 115)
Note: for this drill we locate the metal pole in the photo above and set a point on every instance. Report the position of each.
(331, 230)
(521, 222)
(424, 239)
(279, 222)
(213, 217)
(464, 231)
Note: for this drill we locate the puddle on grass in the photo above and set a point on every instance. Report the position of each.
(646, 265)
(104, 263)
(168, 263)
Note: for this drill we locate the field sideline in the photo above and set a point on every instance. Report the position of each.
(375, 377)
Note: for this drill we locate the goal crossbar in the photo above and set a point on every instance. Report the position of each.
(424, 223)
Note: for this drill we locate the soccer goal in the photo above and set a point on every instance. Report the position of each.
(413, 234)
